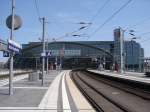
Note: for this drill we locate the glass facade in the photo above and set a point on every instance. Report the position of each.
(99, 50)
(132, 53)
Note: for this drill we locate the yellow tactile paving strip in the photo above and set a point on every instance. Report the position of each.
(81, 103)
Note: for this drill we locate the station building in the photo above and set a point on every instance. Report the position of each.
(69, 54)
(83, 54)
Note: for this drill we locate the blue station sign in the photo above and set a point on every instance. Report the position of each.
(13, 46)
(5, 54)
(48, 53)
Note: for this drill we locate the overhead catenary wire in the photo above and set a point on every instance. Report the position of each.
(141, 37)
(71, 33)
(145, 33)
(66, 35)
(39, 18)
(37, 10)
(138, 23)
(145, 40)
(110, 18)
(100, 10)
(97, 13)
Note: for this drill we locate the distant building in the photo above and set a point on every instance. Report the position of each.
(89, 54)
(132, 53)
(3, 45)
(69, 54)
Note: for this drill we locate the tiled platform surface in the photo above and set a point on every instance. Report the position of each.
(26, 95)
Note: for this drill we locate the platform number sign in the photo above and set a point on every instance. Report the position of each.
(5, 54)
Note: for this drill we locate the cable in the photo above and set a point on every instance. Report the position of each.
(97, 13)
(140, 35)
(111, 17)
(71, 33)
(146, 40)
(66, 35)
(139, 23)
(145, 33)
(99, 10)
(37, 9)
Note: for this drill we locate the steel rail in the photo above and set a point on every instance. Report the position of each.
(94, 104)
(129, 89)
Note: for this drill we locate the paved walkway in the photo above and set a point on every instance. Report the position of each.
(64, 96)
(59, 94)
(27, 94)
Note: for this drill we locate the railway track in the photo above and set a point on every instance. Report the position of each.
(132, 88)
(107, 95)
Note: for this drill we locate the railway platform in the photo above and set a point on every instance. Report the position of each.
(112, 92)
(133, 76)
(59, 94)
(27, 95)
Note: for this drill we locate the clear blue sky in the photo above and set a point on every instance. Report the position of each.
(62, 16)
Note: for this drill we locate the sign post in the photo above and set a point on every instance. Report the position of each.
(13, 22)
(11, 55)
